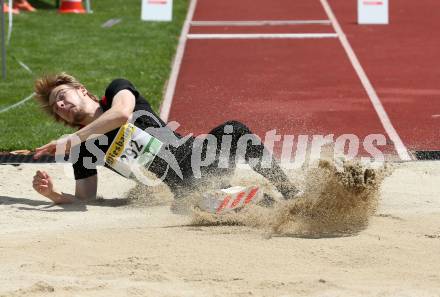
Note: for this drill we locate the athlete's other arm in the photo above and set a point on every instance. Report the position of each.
(85, 189)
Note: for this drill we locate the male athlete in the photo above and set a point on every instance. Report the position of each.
(69, 102)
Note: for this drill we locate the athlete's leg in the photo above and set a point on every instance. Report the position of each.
(272, 171)
(218, 172)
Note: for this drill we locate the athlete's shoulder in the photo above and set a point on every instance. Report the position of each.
(120, 84)
(117, 82)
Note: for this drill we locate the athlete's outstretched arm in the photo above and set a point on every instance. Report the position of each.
(119, 113)
(122, 108)
(84, 189)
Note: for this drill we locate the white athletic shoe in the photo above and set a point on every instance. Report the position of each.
(226, 200)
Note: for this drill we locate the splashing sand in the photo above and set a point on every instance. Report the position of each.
(143, 195)
(336, 201)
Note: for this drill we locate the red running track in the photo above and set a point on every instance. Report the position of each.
(251, 10)
(304, 86)
(403, 64)
(294, 86)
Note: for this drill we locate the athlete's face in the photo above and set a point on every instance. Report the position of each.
(68, 103)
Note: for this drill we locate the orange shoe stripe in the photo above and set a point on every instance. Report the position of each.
(236, 201)
(251, 195)
(224, 203)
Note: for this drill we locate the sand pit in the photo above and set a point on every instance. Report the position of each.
(385, 247)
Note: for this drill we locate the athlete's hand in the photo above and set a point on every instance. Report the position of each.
(51, 148)
(42, 183)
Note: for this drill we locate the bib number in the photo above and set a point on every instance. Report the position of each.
(132, 147)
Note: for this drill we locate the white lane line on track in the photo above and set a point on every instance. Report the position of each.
(402, 151)
(260, 23)
(264, 36)
(171, 86)
(17, 104)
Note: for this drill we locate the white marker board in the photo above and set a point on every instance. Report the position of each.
(372, 12)
(157, 10)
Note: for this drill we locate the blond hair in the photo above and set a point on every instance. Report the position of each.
(44, 87)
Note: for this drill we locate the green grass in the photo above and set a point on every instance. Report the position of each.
(49, 42)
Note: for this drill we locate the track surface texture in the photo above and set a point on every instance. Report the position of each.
(309, 85)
